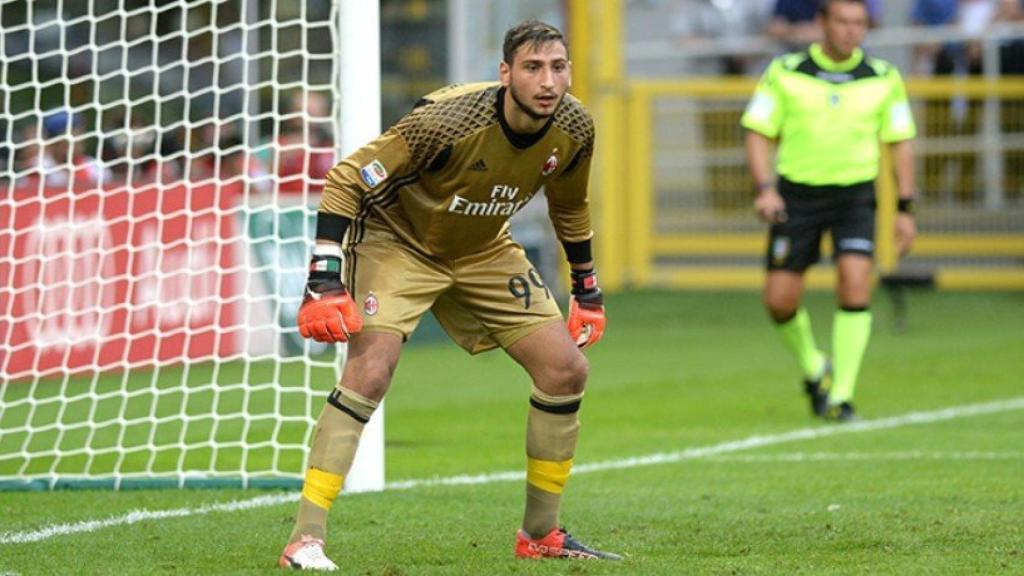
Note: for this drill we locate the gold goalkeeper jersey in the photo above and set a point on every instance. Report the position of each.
(450, 174)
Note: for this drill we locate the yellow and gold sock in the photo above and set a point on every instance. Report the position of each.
(335, 440)
(552, 428)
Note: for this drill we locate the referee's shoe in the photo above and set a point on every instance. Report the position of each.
(842, 412)
(817, 390)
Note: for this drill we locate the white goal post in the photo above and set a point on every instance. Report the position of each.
(159, 175)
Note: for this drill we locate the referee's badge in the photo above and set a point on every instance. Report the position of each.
(833, 99)
(780, 250)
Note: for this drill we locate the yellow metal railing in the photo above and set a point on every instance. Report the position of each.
(641, 246)
(641, 242)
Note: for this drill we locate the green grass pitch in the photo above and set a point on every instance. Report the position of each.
(675, 371)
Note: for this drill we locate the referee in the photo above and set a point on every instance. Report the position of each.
(826, 110)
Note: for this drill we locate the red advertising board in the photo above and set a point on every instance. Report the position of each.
(102, 279)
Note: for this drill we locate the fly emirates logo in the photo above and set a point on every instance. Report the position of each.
(501, 203)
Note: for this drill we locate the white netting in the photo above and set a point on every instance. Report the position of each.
(155, 215)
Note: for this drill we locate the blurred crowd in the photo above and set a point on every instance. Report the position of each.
(112, 147)
(974, 17)
(791, 24)
(116, 145)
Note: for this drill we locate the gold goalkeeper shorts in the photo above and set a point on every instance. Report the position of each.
(487, 299)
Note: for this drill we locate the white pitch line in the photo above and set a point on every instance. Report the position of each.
(907, 455)
(751, 442)
(738, 445)
(140, 515)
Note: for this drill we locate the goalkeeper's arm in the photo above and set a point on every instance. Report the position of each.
(328, 313)
(586, 303)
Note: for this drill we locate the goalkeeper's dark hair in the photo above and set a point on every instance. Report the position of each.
(532, 32)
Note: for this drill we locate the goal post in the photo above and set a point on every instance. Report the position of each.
(159, 179)
(360, 83)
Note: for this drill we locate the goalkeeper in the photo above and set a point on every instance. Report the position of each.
(417, 220)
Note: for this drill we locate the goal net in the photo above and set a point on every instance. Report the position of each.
(158, 180)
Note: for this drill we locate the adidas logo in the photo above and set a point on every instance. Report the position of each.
(478, 166)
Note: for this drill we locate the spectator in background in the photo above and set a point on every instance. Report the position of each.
(17, 155)
(132, 153)
(793, 21)
(62, 160)
(305, 145)
(25, 152)
(6, 152)
(203, 145)
(219, 154)
(725, 21)
(974, 16)
(927, 57)
(1011, 53)
(1011, 63)
(171, 148)
(236, 160)
(952, 176)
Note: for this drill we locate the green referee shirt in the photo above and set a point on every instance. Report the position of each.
(830, 116)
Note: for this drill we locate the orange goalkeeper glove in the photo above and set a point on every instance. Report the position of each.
(328, 313)
(586, 309)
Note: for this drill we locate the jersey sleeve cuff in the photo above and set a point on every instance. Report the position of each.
(761, 129)
(332, 227)
(578, 252)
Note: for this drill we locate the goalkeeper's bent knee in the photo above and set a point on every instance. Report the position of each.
(359, 407)
(337, 432)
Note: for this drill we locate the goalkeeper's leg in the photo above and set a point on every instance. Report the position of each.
(371, 362)
(559, 373)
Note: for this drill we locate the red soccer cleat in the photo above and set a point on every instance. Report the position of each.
(558, 544)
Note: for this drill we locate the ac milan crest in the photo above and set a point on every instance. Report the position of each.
(371, 305)
(551, 165)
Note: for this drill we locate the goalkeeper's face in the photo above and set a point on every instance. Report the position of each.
(538, 78)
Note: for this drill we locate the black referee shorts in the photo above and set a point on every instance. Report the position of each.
(848, 211)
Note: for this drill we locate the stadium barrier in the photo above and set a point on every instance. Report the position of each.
(683, 198)
(118, 278)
